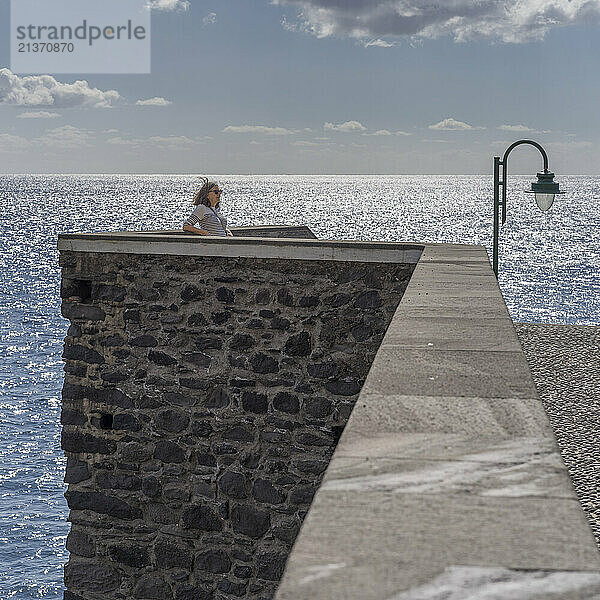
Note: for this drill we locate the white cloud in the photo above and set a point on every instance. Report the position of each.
(65, 137)
(403, 133)
(168, 5)
(511, 21)
(169, 142)
(44, 90)
(258, 129)
(378, 43)
(13, 143)
(437, 141)
(210, 19)
(379, 132)
(61, 138)
(347, 127)
(41, 114)
(305, 144)
(157, 101)
(451, 124)
(516, 128)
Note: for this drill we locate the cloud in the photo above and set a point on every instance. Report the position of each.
(13, 143)
(157, 101)
(403, 133)
(516, 128)
(210, 19)
(258, 129)
(510, 21)
(41, 114)
(169, 142)
(378, 43)
(66, 136)
(347, 127)
(451, 124)
(44, 90)
(305, 144)
(379, 132)
(168, 5)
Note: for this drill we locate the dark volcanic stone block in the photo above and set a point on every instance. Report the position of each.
(83, 312)
(78, 542)
(242, 341)
(233, 484)
(172, 420)
(233, 588)
(286, 402)
(250, 521)
(254, 402)
(265, 491)
(132, 315)
(215, 561)
(224, 294)
(153, 587)
(270, 565)
(285, 297)
(160, 358)
(132, 555)
(169, 555)
(263, 363)
(151, 487)
(368, 299)
(70, 416)
(169, 452)
(126, 422)
(82, 353)
(202, 517)
(76, 471)
(189, 293)
(343, 387)
(101, 503)
(108, 293)
(114, 377)
(298, 345)
(76, 441)
(192, 592)
(323, 370)
(144, 341)
(91, 576)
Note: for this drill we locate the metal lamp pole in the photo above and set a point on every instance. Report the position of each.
(544, 189)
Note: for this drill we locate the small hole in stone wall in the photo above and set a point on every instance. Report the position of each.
(106, 421)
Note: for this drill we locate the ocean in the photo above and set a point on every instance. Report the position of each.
(549, 273)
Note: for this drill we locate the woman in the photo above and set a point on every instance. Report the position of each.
(206, 218)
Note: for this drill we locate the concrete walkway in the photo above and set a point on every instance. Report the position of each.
(565, 364)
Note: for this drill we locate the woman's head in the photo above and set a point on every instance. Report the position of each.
(209, 194)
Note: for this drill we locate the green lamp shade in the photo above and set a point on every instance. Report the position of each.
(545, 188)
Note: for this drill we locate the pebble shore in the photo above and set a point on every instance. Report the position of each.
(565, 364)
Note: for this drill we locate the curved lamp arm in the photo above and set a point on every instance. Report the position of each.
(504, 163)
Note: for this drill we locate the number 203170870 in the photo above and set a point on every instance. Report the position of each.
(58, 47)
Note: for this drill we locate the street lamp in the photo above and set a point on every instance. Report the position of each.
(545, 188)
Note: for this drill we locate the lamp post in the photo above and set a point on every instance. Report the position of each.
(545, 188)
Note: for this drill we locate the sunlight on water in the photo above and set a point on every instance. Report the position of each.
(549, 273)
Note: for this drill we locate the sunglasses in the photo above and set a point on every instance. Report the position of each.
(217, 192)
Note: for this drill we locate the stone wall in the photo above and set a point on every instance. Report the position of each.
(203, 399)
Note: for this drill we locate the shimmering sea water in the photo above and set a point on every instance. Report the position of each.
(549, 273)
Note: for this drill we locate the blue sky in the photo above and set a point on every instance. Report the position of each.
(323, 86)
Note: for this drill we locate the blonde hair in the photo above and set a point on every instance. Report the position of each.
(201, 196)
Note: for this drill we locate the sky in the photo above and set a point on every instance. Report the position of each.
(322, 87)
